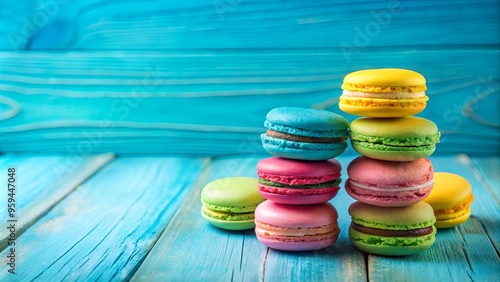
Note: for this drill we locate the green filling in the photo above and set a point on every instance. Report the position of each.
(332, 183)
(362, 140)
(229, 209)
(227, 216)
(394, 226)
(381, 147)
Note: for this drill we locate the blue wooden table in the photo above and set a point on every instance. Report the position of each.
(114, 114)
(112, 218)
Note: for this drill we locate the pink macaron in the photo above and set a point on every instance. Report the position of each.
(389, 184)
(296, 182)
(296, 228)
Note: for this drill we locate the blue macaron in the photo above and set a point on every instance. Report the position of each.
(304, 134)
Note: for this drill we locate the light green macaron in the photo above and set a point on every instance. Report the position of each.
(229, 203)
(392, 231)
(394, 139)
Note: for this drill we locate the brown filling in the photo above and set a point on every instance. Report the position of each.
(393, 233)
(306, 139)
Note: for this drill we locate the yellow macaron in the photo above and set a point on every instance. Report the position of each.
(383, 93)
(450, 198)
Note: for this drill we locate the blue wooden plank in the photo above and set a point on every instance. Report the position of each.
(104, 229)
(191, 249)
(468, 252)
(199, 24)
(489, 174)
(185, 102)
(41, 182)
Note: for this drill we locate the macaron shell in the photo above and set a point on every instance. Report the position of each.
(298, 169)
(404, 127)
(307, 122)
(450, 198)
(387, 173)
(450, 190)
(388, 184)
(302, 150)
(230, 225)
(419, 215)
(386, 153)
(296, 228)
(233, 194)
(385, 80)
(391, 246)
(305, 216)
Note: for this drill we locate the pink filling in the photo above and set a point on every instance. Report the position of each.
(388, 194)
(297, 180)
(293, 191)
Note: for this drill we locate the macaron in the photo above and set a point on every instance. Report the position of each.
(450, 198)
(229, 203)
(394, 139)
(297, 182)
(383, 93)
(304, 134)
(393, 231)
(389, 184)
(296, 228)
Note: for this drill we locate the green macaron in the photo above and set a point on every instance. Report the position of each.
(229, 203)
(392, 231)
(394, 139)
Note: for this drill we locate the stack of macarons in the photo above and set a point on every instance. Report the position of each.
(300, 179)
(392, 177)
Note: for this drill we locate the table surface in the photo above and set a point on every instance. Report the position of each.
(116, 218)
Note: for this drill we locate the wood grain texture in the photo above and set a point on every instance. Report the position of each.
(488, 171)
(214, 102)
(235, 24)
(104, 229)
(468, 252)
(191, 249)
(41, 182)
(108, 229)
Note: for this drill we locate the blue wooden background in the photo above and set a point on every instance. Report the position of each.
(197, 77)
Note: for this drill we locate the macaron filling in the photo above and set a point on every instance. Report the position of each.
(390, 95)
(227, 216)
(370, 141)
(323, 133)
(383, 88)
(302, 145)
(306, 139)
(392, 188)
(363, 240)
(393, 233)
(383, 102)
(332, 183)
(297, 180)
(460, 209)
(235, 209)
(296, 234)
(451, 216)
(407, 226)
